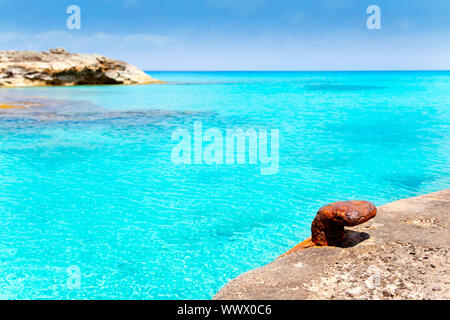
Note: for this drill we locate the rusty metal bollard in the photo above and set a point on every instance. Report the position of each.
(327, 228)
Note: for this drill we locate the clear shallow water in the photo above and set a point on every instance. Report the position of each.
(86, 179)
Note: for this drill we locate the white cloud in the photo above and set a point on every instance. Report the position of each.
(134, 48)
(83, 42)
(158, 40)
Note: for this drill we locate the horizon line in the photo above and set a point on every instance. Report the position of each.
(274, 70)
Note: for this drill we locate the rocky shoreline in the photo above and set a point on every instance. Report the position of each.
(403, 253)
(57, 67)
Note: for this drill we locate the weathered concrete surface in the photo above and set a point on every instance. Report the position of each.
(58, 67)
(403, 253)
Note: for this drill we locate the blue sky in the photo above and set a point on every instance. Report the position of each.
(238, 34)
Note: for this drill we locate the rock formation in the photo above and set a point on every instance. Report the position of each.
(57, 67)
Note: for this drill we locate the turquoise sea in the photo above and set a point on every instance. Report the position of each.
(92, 207)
